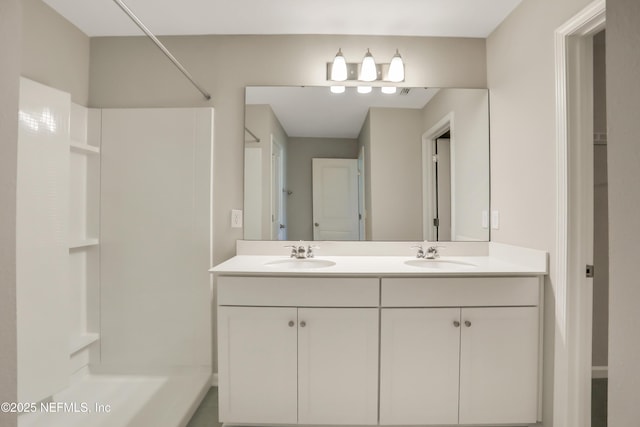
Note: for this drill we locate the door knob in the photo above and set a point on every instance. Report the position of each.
(281, 225)
(316, 224)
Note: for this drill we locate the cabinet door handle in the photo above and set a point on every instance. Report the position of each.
(456, 323)
(291, 323)
(303, 324)
(467, 323)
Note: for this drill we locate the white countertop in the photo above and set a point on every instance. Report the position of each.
(377, 266)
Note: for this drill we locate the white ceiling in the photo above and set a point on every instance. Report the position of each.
(442, 18)
(316, 112)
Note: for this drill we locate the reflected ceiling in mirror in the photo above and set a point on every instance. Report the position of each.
(412, 166)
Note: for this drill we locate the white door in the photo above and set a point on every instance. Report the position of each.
(338, 366)
(362, 214)
(257, 348)
(419, 366)
(278, 225)
(335, 199)
(499, 365)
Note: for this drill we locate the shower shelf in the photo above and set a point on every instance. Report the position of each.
(81, 341)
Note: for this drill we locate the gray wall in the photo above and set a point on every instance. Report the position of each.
(132, 72)
(395, 174)
(10, 29)
(623, 105)
(54, 52)
(471, 151)
(300, 151)
(521, 80)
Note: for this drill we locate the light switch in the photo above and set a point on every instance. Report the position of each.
(485, 219)
(236, 218)
(495, 220)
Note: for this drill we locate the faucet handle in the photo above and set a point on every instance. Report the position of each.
(420, 253)
(294, 250)
(310, 249)
(432, 251)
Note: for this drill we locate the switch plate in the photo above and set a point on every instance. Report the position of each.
(236, 218)
(495, 220)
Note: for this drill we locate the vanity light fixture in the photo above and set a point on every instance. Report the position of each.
(368, 69)
(339, 70)
(396, 68)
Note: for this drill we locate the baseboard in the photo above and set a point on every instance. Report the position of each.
(599, 372)
(214, 380)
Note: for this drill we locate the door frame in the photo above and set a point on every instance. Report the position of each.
(428, 178)
(573, 309)
(277, 194)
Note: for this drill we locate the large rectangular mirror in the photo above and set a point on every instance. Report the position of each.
(412, 165)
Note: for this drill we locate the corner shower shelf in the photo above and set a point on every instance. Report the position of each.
(81, 147)
(83, 243)
(82, 341)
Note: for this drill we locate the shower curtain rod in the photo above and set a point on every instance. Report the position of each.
(252, 134)
(149, 34)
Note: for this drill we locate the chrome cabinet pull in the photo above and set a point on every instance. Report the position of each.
(467, 323)
(456, 323)
(291, 323)
(303, 324)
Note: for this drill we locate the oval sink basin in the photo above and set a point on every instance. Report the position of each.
(295, 264)
(440, 264)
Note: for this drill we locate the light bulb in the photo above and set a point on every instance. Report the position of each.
(388, 90)
(337, 89)
(396, 68)
(364, 89)
(368, 72)
(339, 68)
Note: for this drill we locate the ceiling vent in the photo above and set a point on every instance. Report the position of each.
(405, 91)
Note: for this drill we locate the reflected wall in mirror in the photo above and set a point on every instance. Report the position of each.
(407, 166)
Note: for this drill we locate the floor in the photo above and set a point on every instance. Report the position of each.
(207, 413)
(599, 402)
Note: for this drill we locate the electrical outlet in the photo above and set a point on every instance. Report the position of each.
(236, 218)
(495, 220)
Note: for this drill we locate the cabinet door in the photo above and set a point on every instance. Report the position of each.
(338, 365)
(419, 366)
(257, 365)
(499, 365)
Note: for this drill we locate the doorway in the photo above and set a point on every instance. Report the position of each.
(575, 210)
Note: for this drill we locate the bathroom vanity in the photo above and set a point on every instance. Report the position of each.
(381, 340)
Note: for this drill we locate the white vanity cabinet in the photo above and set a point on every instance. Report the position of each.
(459, 350)
(298, 350)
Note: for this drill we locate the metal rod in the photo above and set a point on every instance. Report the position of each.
(164, 50)
(252, 134)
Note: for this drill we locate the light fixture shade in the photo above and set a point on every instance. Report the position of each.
(368, 72)
(337, 89)
(364, 89)
(339, 68)
(396, 68)
(388, 90)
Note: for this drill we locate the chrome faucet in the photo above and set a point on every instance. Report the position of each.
(300, 252)
(430, 253)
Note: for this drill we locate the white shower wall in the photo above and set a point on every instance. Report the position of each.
(155, 239)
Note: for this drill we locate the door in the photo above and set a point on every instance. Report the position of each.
(443, 189)
(278, 220)
(335, 199)
(419, 366)
(499, 365)
(257, 348)
(338, 365)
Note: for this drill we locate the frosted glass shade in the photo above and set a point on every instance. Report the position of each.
(396, 68)
(337, 89)
(388, 90)
(364, 89)
(368, 72)
(339, 68)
